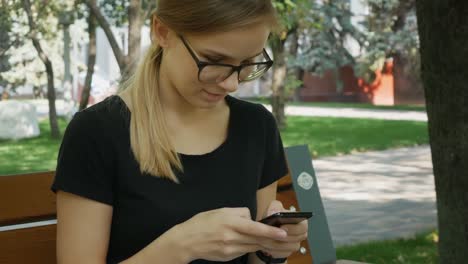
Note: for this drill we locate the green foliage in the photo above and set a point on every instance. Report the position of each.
(5, 28)
(116, 11)
(26, 66)
(324, 31)
(287, 11)
(386, 37)
(291, 84)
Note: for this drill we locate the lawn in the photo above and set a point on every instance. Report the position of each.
(422, 249)
(325, 137)
(30, 155)
(336, 136)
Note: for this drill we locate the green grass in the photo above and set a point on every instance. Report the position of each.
(30, 155)
(347, 105)
(335, 136)
(325, 137)
(422, 249)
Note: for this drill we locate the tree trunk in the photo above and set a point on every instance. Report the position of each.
(91, 61)
(54, 129)
(401, 63)
(118, 53)
(279, 77)
(296, 71)
(443, 31)
(136, 18)
(135, 23)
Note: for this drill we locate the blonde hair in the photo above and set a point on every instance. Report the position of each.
(149, 137)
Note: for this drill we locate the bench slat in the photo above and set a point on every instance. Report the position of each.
(26, 198)
(31, 245)
(285, 181)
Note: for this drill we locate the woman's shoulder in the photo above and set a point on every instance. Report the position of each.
(101, 116)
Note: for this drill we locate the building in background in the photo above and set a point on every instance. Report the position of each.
(392, 85)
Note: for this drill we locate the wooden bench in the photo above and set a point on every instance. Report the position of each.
(28, 218)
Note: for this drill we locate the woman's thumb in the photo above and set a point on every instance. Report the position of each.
(275, 207)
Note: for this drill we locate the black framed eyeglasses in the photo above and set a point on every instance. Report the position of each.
(210, 72)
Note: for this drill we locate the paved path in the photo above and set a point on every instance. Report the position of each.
(355, 113)
(378, 195)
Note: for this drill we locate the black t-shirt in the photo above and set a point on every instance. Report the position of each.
(96, 161)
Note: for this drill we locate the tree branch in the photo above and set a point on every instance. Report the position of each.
(33, 32)
(149, 10)
(118, 53)
(55, 132)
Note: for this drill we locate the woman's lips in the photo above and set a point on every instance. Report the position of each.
(213, 96)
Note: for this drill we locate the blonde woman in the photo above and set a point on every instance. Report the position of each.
(173, 169)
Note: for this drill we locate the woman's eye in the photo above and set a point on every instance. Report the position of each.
(214, 60)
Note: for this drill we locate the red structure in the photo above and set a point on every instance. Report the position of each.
(391, 86)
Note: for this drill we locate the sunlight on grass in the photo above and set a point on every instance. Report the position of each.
(421, 249)
(337, 136)
(30, 155)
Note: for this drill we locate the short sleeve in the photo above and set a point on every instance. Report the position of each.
(84, 164)
(274, 165)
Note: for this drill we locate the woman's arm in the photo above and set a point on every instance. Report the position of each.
(264, 198)
(83, 231)
(83, 228)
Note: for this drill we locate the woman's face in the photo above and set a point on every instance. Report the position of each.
(233, 47)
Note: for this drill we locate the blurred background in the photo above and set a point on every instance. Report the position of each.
(347, 84)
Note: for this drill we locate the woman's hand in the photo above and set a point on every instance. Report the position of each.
(227, 233)
(296, 234)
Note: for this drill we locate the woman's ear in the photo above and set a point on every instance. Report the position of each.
(160, 33)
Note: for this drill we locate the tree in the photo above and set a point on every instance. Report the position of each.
(278, 83)
(137, 13)
(316, 34)
(443, 31)
(33, 35)
(24, 66)
(5, 44)
(91, 59)
(389, 35)
(289, 13)
(324, 36)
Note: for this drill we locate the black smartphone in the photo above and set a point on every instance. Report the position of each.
(284, 218)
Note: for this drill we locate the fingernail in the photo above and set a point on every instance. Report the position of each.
(285, 229)
(282, 233)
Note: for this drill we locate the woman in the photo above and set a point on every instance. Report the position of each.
(173, 169)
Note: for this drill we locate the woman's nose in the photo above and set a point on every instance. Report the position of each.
(231, 83)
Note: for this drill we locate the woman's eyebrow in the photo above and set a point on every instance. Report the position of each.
(224, 56)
